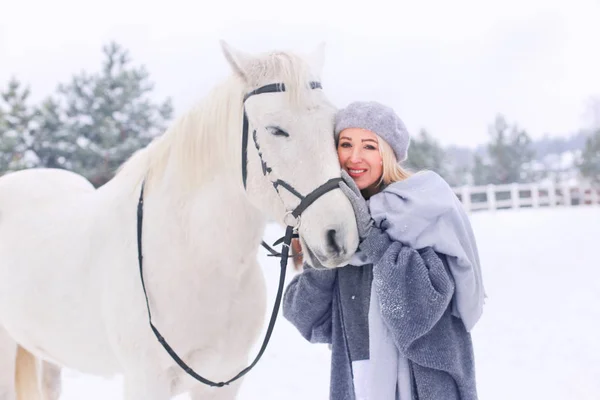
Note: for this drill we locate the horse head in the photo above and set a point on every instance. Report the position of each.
(291, 151)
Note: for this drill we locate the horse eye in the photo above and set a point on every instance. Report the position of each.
(277, 131)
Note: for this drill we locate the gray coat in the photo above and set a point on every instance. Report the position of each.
(415, 287)
(415, 290)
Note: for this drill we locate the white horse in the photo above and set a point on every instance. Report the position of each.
(70, 289)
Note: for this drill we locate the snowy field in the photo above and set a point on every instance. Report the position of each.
(537, 339)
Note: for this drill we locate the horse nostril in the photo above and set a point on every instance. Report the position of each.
(331, 241)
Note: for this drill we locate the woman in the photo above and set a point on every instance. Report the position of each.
(398, 316)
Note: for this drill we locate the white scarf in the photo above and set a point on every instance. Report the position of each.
(386, 375)
(389, 373)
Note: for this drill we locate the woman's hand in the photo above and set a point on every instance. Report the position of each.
(361, 210)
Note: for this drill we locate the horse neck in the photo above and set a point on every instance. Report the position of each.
(197, 159)
(202, 144)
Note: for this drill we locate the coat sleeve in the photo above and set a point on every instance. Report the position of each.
(307, 303)
(415, 289)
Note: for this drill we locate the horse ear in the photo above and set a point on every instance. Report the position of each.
(316, 58)
(238, 60)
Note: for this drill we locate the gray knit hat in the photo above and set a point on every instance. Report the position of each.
(377, 118)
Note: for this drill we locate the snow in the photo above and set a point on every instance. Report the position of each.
(537, 339)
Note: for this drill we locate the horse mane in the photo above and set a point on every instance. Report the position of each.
(206, 139)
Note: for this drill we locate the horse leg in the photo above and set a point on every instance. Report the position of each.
(8, 356)
(51, 381)
(228, 392)
(144, 385)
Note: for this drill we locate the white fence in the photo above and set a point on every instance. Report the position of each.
(520, 195)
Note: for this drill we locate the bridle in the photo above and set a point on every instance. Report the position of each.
(290, 232)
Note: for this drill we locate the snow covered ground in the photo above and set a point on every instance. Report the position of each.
(538, 338)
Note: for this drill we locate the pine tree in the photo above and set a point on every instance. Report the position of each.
(109, 115)
(589, 165)
(510, 152)
(17, 126)
(53, 144)
(426, 153)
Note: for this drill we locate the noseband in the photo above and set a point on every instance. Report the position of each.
(290, 232)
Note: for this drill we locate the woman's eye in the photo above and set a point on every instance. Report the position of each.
(346, 145)
(277, 131)
(370, 147)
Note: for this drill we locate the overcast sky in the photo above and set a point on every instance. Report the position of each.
(447, 66)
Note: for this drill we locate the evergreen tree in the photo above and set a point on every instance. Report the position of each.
(53, 144)
(510, 152)
(426, 153)
(17, 125)
(589, 165)
(109, 115)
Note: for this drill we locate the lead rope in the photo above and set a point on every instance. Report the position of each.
(287, 240)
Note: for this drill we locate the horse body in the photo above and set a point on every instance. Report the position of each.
(70, 289)
(102, 318)
(206, 290)
(36, 280)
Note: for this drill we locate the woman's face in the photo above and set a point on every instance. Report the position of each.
(358, 152)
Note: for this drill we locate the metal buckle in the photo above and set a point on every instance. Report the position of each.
(295, 221)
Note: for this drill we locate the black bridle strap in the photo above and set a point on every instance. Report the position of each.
(287, 240)
(331, 184)
(288, 187)
(161, 339)
(275, 253)
(304, 203)
(270, 88)
(244, 148)
(276, 87)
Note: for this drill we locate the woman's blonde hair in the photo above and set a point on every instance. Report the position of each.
(392, 170)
